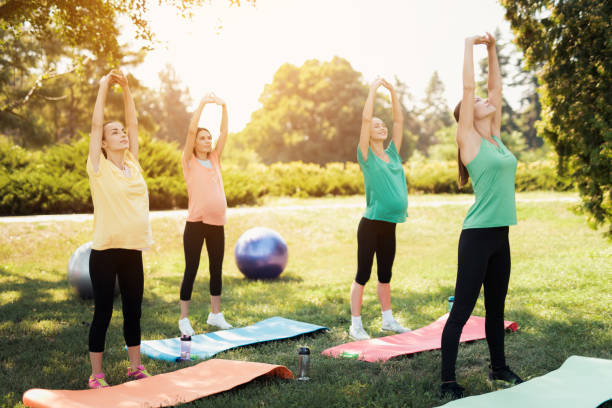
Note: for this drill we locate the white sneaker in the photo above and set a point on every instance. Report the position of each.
(393, 325)
(358, 333)
(185, 327)
(218, 320)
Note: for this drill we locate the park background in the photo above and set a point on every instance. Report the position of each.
(295, 75)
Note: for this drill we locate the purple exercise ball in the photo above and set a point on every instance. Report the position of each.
(261, 253)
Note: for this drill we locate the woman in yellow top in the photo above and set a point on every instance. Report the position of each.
(121, 228)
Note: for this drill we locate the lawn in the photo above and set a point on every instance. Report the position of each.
(560, 294)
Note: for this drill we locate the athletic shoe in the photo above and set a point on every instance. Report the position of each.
(97, 381)
(139, 373)
(506, 375)
(358, 333)
(393, 325)
(185, 327)
(218, 320)
(452, 390)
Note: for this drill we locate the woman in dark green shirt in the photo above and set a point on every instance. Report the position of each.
(484, 250)
(387, 201)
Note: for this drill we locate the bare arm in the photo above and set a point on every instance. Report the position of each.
(223, 132)
(494, 85)
(131, 118)
(193, 129)
(398, 117)
(466, 113)
(97, 123)
(366, 119)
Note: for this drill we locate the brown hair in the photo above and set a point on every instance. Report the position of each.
(103, 126)
(198, 131)
(463, 175)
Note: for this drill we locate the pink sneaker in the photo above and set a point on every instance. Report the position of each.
(98, 381)
(139, 373)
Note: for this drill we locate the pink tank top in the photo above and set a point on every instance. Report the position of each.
(207, 202)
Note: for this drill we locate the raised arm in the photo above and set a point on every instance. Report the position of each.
(193, 128)
(398, 116)
(131, 117)
(366, 119)
(466, 112)
(97, 123)
(494, 85)
(223, 132)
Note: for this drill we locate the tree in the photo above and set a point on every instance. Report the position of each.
(569, 43)
(51, 54)
(87, 24)
(433, 114)
(311, 113)
(170, 111)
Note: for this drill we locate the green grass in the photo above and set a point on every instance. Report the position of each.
(560, 294)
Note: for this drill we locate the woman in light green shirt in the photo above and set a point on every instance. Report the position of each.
(484, 251)
(387, 201)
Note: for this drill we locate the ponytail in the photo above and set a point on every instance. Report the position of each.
(463, 175)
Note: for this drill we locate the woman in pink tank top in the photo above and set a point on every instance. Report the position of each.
(206, 213)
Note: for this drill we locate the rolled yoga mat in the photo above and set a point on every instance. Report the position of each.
(163, 390)
(423, 339)
(206, 345)
(581, 382)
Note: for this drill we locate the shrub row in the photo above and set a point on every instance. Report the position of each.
(55, 180)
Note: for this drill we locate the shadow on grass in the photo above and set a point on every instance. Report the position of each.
(49, 337)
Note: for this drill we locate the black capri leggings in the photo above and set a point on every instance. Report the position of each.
(104, 268)
(374, 236)
(193, 239)
(484, 258)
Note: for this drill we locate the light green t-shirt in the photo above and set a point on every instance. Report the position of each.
(385, 186)
(492, 172)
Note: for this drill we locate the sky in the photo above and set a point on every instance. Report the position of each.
(235, 51)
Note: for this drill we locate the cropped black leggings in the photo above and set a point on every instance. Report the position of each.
(374, 236)
(104, 268)
(484, 258)
(193, 239)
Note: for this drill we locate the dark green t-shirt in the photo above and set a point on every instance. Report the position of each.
(385, 186)
(492, 172)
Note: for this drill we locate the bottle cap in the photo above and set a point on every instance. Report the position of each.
(304, 350)
(451, 298)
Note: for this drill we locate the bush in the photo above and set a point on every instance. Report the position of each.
(55, 180)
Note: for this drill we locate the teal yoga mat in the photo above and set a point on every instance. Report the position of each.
(206, 345)
(581, 382)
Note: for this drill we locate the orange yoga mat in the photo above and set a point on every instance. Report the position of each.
(163, 390)
(423, 339)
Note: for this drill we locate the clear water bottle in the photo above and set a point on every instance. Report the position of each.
(451, 300)
(185, 348)
(303, 364)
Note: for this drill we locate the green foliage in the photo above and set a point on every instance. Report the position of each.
(54, 180)
(312, 113)
(433, 113)
(570, 44)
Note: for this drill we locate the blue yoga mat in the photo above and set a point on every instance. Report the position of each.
(206, 345)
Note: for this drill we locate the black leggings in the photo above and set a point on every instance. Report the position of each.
(193, 239)
(484, 258)
(104, 268)
(374, 236)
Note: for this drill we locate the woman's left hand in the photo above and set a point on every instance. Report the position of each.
(119, 77)
(490, 40)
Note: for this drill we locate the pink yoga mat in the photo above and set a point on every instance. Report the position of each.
(423, 339)
(163, 390)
